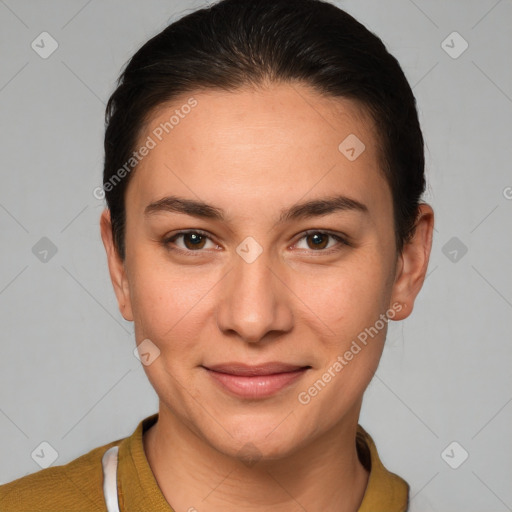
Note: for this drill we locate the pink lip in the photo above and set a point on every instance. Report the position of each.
(255, 381)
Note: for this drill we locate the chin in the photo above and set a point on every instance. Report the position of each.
(253, 437)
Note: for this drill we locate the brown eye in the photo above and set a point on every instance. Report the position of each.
(318, 240)
(192, 241)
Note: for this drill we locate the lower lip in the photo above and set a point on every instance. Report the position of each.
(256, 386)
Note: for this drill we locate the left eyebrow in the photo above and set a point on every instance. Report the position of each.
(314, 208)
(321, 207)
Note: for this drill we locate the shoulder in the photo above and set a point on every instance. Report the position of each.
(73, 487)
(385, 490)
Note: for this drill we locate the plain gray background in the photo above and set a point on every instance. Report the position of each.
(68, 375)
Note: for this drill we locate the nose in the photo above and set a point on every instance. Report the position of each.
(255, 302)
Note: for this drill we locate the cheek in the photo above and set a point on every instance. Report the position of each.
(166, 308)
(346, 297)
(344, 303)
(351, 336)
(168, 301)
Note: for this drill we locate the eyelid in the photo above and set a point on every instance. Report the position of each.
(341, 238)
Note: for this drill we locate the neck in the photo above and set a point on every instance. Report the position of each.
(325, 475)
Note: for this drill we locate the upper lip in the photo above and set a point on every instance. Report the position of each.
(243, 369)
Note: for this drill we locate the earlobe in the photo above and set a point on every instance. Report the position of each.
(116, 267)
(412, 263)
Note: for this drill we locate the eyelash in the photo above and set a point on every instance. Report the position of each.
(341, 241)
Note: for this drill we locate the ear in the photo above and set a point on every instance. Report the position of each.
(412, 263)
(116, 267)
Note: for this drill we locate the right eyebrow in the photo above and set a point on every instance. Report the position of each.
(186, 206)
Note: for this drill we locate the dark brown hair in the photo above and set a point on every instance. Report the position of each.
(235, 43)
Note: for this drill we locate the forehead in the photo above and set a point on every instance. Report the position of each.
(261, 147)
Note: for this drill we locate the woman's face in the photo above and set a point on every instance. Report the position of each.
(268, 272)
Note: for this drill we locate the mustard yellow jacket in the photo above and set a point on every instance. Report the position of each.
(78, 485)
